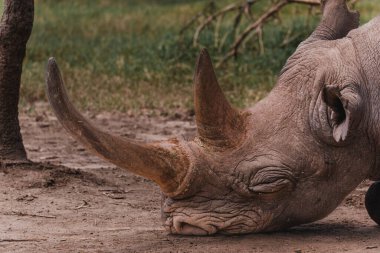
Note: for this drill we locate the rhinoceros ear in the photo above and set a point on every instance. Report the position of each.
(344, 109)
(219, 125)
(337, 21)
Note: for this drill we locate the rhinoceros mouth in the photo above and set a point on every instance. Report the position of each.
(184, 228)
(196, 222)
(188, 225)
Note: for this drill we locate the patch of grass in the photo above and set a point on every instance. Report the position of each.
(128, 54)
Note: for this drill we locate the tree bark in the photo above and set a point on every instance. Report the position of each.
(15, 29)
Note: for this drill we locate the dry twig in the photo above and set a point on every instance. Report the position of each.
(83, 205)
(310, 2)
(254, 28)
(21, 240)
(196, 17)
(211, 18)
(31, 215)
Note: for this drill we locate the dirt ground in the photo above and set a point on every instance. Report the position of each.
(74, 202)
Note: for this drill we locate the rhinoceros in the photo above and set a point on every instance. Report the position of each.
(290, 159)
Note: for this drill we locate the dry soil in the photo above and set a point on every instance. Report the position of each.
(71, 201)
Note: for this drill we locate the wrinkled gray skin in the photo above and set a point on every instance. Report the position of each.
(291, 159)
(307, 145)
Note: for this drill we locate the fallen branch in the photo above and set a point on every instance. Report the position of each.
(31, 215)
(21, 240)
(131, 228)
(113, 196)
(83, 205)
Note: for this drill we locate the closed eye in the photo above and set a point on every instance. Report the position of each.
(271, 187)
(271, 180)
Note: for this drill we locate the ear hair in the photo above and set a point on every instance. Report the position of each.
(345, 108)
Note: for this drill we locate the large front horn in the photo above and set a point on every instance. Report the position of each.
(219, 125)
(166, 163)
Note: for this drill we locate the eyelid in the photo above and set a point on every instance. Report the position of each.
(271, 174)
(271, 179)
(272, 187)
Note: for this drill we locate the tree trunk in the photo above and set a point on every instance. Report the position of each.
(15, 29)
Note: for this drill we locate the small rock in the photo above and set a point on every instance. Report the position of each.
(44, 125)
(26, 197)
(49, 183)
(39, 118)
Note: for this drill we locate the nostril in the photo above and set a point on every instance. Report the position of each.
(185, 228)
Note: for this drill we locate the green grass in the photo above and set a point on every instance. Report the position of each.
(128, 54)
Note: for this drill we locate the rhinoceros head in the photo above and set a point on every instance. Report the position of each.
(291, 159)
